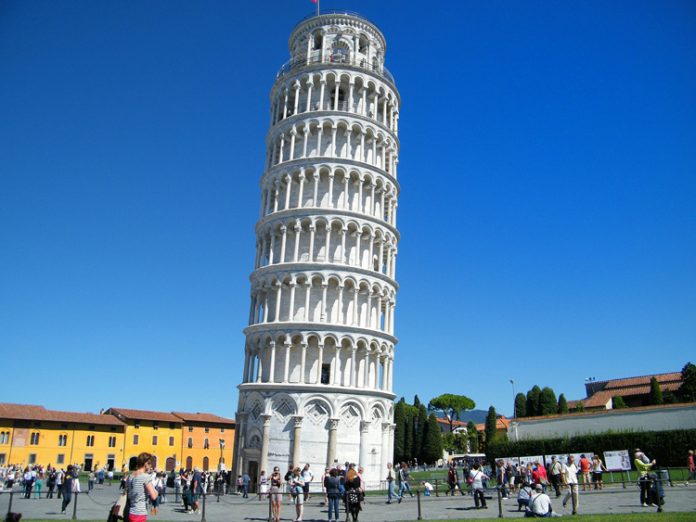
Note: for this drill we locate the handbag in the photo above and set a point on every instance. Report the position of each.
(119, 507)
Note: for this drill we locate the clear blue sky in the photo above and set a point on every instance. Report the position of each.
(547, 212)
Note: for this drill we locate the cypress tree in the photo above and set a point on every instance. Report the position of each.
(547, 402)
(408, 432)
(520, 405)
(422, 423)
(491, 425)
(655, 392)
(562, 404)
(687, 390)
(533, 396)
(618, 402)
(399, 430)
(472, 434)
(432, 441)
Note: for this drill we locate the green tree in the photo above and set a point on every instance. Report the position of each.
(618, 402)
(452, 406)
(533, 397)
(520, 405)
(432, 441)
(473, 437)
(562, 404)
(655, 392)
(400, 430)
(547, 402)
(687, 390)
(420, 425)
(491, 425)
(579, 406)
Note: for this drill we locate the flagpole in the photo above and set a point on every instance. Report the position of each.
(318, 7)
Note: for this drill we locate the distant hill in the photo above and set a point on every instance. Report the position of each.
(477, 416)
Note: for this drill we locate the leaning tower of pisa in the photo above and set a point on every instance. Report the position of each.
(317, 380)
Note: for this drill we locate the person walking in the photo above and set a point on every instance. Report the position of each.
(691, 466)
(570, 479)
(404, 484)
(139, 487)
(276, 494)
(477, 477)
(453, 480)
(297, 488)
(332, 486)
(246, 479)
(391, 479)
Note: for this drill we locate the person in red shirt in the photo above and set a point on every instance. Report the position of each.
(691, 465)
(585, 467)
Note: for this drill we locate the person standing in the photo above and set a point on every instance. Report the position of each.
(246, 479)
(38, 484)
(585, 468)
(90, 481)
(477, 477)
(332, 486)
(691, 466)
(67, 488)
(643, 465)
(139, 487)
(307, 477)
(570, 479)
(556, 470)
(391, 491)
(51, 482)
(196, 488)
(597, 469)
(453, 480)
(276, 494)
(297, 487)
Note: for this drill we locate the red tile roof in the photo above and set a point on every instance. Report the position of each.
(129, 414)
(629, 382)
(204, 418)
(31, 412)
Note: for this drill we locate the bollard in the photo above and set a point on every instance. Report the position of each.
(218, 494)
(203, 513)
(419, 504)
(436, 484)
(628, 477)
(74, 507)
(500, 503)
(270, 509)
(9, 508)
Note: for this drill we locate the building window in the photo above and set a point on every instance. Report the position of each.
(2, 459)
(325, 373)
(112, 442)
(190, 442)
(155, 425)
(171, 441)
(60, 459)
(4, 437)
(137, 424)
(207, 429)
(34, 440)
(206, 444)
(32, 458)
(222, 430)
(62, 439)
(190, 428)
(154, 440)
(172, 426)
(135, 440)
(90, 440)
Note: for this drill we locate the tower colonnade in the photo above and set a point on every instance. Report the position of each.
(317, 384)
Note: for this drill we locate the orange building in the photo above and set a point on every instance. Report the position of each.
(207, 440)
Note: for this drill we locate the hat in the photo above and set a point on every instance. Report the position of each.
(539, 487)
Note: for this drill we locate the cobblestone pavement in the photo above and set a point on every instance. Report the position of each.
(95, 506)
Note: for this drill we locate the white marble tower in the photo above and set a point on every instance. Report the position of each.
(317, 381)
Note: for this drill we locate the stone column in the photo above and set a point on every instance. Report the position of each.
(265, 441)
(320, 361)
(239, 443)
(296, 459)
(303, 362)
(286, 369)
(364, 429)
(331, 452)
(384, 455)
(271, 375)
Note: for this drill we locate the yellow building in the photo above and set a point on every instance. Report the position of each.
(207, 441)
(158, 433)
(34, 435)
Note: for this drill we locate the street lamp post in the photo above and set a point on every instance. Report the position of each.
(514, 402)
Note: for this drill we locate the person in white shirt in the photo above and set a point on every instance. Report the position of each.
(477, 477)
(539, 504)
(570, 479)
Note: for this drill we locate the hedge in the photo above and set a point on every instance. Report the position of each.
(669, 448)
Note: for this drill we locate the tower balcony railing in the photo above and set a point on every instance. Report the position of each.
(334, 59)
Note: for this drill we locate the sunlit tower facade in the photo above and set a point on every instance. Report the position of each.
(319, 352)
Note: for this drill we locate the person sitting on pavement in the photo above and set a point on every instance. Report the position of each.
(539, 504)
(524, 496)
